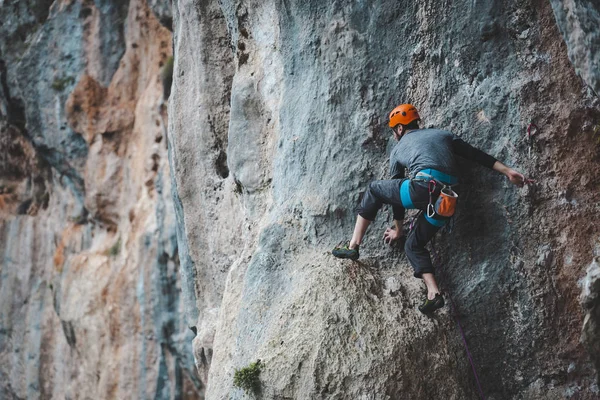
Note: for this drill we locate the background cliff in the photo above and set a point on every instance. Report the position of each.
(89, 284)
(124, 225)
(297, 105)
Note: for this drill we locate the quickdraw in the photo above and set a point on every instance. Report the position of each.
(532, 129)
(430, 207)
(445, 205)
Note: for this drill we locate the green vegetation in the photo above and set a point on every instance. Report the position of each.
(167, 77)
(79, 220)
(597, 133)
(247, 378)
(115, 249)
(60, 84)
(167, 69)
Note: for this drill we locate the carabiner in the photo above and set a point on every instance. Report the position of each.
(430, 210)
(431, 190)
(532, 129)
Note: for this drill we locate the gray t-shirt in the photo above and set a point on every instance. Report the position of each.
(421, 149)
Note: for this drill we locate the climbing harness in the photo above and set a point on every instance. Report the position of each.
(532, 129)
(440, 212)
(460, 329)
(440, 177)
(445, 205)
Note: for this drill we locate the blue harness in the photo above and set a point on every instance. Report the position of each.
(426, 175)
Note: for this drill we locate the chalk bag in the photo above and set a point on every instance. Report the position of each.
(446, 202)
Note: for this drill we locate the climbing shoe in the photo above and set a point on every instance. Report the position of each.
(343, 251)
(430, 306)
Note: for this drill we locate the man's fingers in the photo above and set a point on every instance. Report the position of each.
(517, 178)
(387, 238)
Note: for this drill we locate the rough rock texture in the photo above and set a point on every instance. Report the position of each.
(278, 122)
(590, 297)
(578, 21)
(162, 10)
(89, 278)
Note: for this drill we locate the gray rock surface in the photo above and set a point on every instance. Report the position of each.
(162, 10)
(295, 95)
(590, 298)
(124, 277)
(578, 21)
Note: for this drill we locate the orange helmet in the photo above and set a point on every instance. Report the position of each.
(403, 114)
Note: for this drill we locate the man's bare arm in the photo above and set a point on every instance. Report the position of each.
(512, 175)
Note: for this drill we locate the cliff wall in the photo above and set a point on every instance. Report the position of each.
(89, 282)
(297, 104)
(150, 249)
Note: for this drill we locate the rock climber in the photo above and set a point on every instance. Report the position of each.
(430, 157)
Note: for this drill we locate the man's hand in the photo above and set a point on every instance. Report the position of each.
(391, 235)
(513, 176)
(517, 178)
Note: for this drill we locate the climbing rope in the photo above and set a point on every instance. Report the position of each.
(452, 306)
(460, 329)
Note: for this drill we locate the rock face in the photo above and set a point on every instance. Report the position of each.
(578, 22)
(89, 282)
(275, 125)
(278, 122)
(590, 297)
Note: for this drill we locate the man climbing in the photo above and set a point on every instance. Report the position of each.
(429, 156)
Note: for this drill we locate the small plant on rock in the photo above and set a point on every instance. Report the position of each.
(115, 249)
(166, 75)
(59, 84)
(597, 133)
(247, 378)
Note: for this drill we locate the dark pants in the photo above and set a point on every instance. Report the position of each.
(388, 192)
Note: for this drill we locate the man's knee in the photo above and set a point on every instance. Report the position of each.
(370, 203)
(372, 188)
(366, 215)
(416, 255)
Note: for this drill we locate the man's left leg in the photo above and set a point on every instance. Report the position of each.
(420, 259)
(359, 231)
(431, 283)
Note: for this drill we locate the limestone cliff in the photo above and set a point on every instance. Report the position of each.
(294, 96)
(149, 251)
(89, 283)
